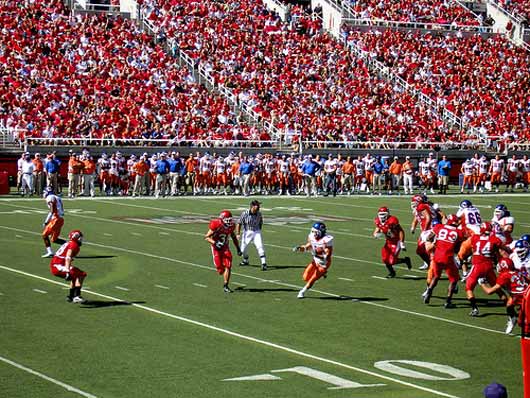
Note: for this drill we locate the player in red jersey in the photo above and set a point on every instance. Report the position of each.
(219, 230)
(61, 266)
(445, 242)
(422, 214)
(514, 283)
(486, 249)
(389, 226)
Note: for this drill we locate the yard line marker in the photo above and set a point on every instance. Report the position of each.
(414, 276)
(47, 378)
(346, 279)
(238, 284)
(122, 288)
(106, 234)
(164, 233)
(136, 234)
(162, 287)
(379, 277)
(245, 337)
(199, 285)
(259, 280)
(19, 236)
(40, 291)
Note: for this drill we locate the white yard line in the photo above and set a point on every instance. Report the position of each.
(200, 285)
(209, 268)
(40, 291)
(346, 279)
(122, 288)
(162, 287)
(379, 277)
(47, 378)
(241, 337)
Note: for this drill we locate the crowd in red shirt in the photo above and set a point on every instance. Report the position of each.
(485, 81)
(93, 76)
(519, 8)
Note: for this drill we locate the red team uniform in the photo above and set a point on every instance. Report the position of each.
(222, 256)
(483, 260)
(448, 237)
(58, 262)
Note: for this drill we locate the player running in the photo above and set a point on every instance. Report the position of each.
(54, 221)
(321, 246)
(389, 226)
(219, 230)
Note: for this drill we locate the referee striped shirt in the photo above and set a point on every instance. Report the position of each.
(251, 222)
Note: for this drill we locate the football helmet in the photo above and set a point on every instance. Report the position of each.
(226, 218)
(383, 213)
(76, 236)
(505, 264)
(521, 248)
(47, 191)
(416, 200)
(525, 237)
(318, 229)
(500, 211)
(452, 219)
(466, 204)
(486, 228)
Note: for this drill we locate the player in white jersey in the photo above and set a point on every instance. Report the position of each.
(503, 224)
(468, 170)
(496, 170)
(283, 170)
(482, 166)
(369, 163)
(525, 170)
(221, 178)
(359, 173)
(470, 218)
(330, 175)
(433, 165)
(321, 246)
(204, 178)
(521, 256)
(512, 170)
(103, 166)
(54, 220)
(426, 174)
(270, 179)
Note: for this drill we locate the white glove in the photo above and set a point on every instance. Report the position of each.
(482, 281)
(402, 246)
(412, 231)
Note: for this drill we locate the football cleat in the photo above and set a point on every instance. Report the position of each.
(424, 266)
(474, 312)
(47, 255)
(264, 267)
(449, 306)
(69, 299)
(226, 289)
(78, 300)
(408, 262)
(426, 296)
(510, 324)
(301, 294)
(391, 275)
(244, 262)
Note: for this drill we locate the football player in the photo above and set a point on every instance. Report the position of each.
(446, 238)
(514, 283)
(219, 230)
(54, 221)
(61, 266)
(470, 221)
(503, 223)
(486, 248)
(521, 255)
(321, 246)
(389, 226)
(422, 214)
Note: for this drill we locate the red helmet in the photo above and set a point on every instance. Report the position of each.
(383, 213)
(76, 236)
(416, 200)
(452, 219)
(486, 228)
(505, 264)
(226, 217)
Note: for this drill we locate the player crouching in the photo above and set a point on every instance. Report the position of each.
(389, 226)
(321, 246)
(61, 266)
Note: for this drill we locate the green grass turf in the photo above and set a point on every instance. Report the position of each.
(183, 337)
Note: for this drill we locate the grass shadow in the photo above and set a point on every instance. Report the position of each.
(104, 304)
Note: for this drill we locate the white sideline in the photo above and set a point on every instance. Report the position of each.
(233, 334)
(209, 268)
(47, 378)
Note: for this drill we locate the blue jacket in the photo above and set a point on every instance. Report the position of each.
(310, 167)
(52, 165)
(444, 166)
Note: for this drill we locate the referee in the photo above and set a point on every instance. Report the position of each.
(251, 222)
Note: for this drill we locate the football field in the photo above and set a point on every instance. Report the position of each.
(158, 324)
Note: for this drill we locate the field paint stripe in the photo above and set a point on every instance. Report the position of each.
(40, 291)
(199, 285)
(47, 378)
(346, 279)
(238, 284)
(209, 268)
(414, 276)
(122, 288)
(379, 277)
(163, 233)
(162, 287)
(244, 337)
(136, 234)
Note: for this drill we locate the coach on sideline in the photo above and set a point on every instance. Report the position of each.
(251, 221)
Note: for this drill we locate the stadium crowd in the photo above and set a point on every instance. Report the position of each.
(438, 11)
(485, 81)
(171, 174)
(100, 77)
(519, 8)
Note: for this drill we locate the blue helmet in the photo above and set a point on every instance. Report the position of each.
(466, 204)
(318, 229)
(47, 191)
(521, 248)
(525, 237)
(501, 211)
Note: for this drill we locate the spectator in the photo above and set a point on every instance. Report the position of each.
(444, 169)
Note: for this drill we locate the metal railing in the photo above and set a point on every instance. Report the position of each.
(392, 145)
(10, 136)
(371, 22)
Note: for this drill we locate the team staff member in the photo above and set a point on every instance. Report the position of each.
(38, 173)
(251, 221)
